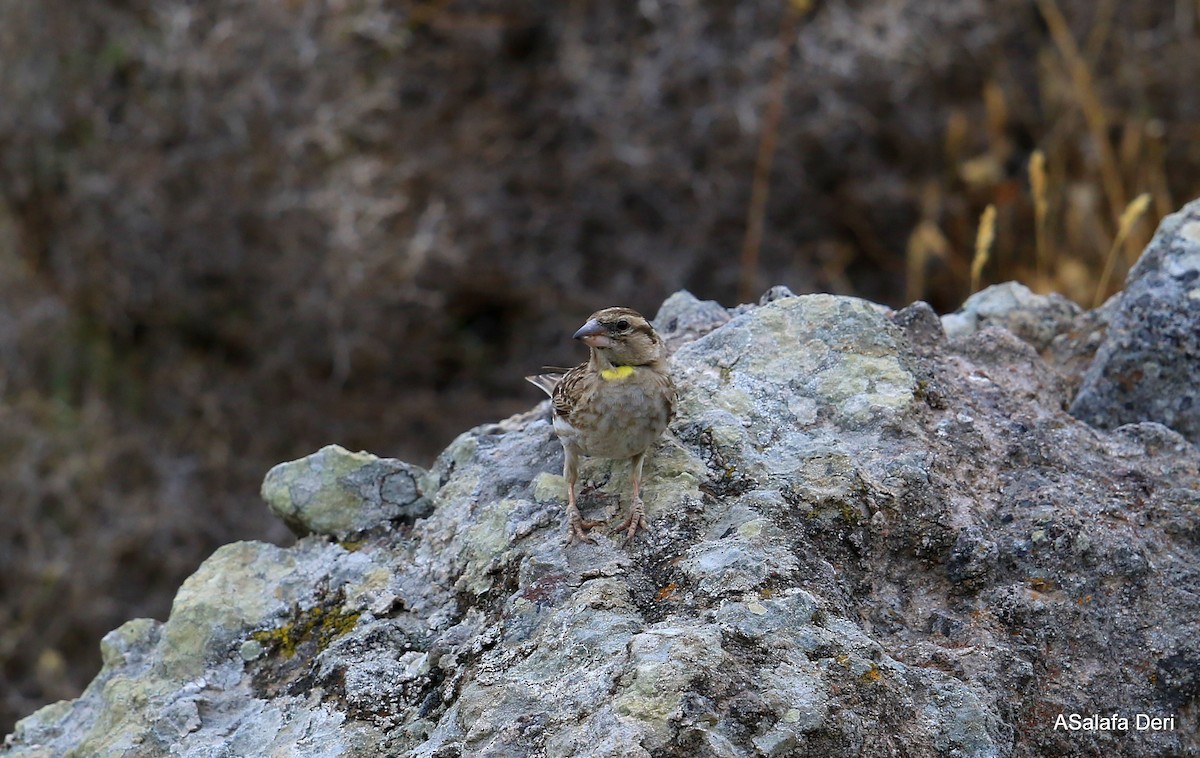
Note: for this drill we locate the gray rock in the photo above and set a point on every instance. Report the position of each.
(339, 493)
(920, 324)
(1073, 350)
(1037, 319)
(836, 564)
(1146, 368)
(778, 292)
(683, 317)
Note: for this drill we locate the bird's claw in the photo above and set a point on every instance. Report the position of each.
(577, 531)
(635, 520)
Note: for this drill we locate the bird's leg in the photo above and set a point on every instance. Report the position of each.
(637, 512)
(577, 526)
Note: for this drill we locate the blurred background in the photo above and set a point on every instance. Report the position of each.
(232, 232)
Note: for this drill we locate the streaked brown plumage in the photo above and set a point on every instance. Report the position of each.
(616, 405)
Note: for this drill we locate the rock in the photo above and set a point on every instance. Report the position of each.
(683, 317)
(921, 325)
(839, 562)
(1147, 366)
(1073, 350)
(1037, 319)
(339, 493)
(778, 292)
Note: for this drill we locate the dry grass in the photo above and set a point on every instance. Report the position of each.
(1066, 226)
(1038, 184)
(1084, 88)
(1129, 218)
(983, 245)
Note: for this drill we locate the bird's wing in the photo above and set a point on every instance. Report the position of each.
(671, 393)
(567, 391)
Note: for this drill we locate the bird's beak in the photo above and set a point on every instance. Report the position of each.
(593, 335)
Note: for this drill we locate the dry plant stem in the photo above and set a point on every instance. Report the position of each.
(1037, 183)
(1101, 29)
(915, 257)
(1129, 219)
(983, 245)
(1089, 102)
(926, 241)
(761, 187)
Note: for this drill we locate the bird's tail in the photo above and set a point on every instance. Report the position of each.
(545, 382)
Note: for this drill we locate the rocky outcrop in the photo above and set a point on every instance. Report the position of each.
(865, 537)
(1149, 363)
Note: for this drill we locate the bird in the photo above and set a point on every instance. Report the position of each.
(615, 405)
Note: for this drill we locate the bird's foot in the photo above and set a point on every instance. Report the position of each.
(636, 519)
(578, 526)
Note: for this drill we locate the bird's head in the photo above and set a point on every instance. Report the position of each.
(621, 337)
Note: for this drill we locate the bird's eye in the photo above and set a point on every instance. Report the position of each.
(622, 325)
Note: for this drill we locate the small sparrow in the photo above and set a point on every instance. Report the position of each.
(614, 406)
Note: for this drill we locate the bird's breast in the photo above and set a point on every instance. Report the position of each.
(620, 420)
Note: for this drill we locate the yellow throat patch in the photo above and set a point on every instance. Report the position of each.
(616, 373)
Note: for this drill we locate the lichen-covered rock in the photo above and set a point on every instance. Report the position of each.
(865, 539)
(1146, 368)
(340, 493)
(186, 684)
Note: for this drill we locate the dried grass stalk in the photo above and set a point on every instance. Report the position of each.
(925, 242)
(983, 244)
(1129, 219)
(1041, 208)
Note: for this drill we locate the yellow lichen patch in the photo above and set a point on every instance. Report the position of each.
(871, 675)
(849, 512)
(351, 546)
(317, 627)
